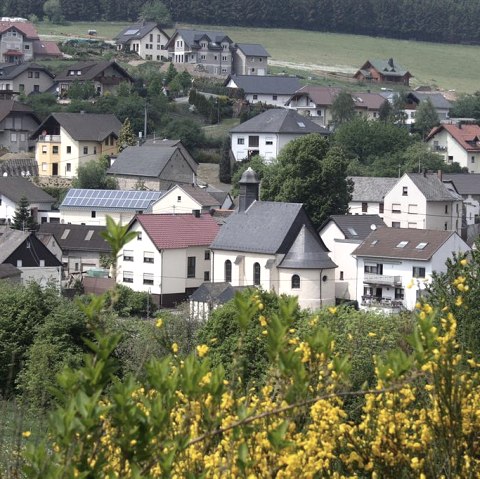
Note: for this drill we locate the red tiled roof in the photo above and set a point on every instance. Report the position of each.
(27, 28)
(46, 48)
(179, 231)
(320, 95)
(369, 101)
(463, 135)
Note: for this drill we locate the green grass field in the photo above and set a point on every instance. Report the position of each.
(451, 67)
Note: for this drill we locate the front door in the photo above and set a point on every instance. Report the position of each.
(54, 169)
(378, 293)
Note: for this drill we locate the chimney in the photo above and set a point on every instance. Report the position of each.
(196, 213)
(390, 62)
(249, 188)
(440, 175)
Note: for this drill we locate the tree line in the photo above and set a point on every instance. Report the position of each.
(427, 20)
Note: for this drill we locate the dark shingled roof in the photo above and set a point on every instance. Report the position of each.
(269, 227)
(7, 270)
(217, 293)
(145, 160)
(383, 243)
(14, 187)
(201, 195)
(433, 189)
(77, 237)
(355, 227)
(252, 49)
(464, 183)
(136, 32)
(437, 99)
(279, 120)
(370, 188)
(9, 71)
(85, 126)
(91, 70)
(193, 37)
(11, 106)
(265, 84)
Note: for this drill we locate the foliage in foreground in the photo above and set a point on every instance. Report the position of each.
(185, 419)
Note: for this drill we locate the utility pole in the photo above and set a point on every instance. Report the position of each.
(145, 123)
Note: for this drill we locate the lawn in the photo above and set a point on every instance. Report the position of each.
(451, 67)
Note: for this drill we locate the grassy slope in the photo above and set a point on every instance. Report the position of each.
(447, 66)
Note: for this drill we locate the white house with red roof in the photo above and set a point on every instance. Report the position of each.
(170, 257)
(457, 142)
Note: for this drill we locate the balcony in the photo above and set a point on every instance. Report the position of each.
(387, 305)
(50, 138)
(372, 278)
(439, 148)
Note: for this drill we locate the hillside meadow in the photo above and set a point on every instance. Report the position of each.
(447, 66)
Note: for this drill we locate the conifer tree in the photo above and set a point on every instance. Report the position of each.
(23, 220)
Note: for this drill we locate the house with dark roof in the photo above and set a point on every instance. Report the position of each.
(185, 199)
(342, 234)
(457, 142)
(105, 76)
(273, 245)
(395, 265)
(24, 78)
(268, 89)
(65, 141)
(10, 273)
(250, 59)
(207, 51)
(414, 98)
(18, 164)
(147, 39)
(267, 133)
(368, 196)
(12, 189)
(19, 42)
(26, 252)
(80, 247)
(154, 166)
(422, 200)
(91, 207)
(383, 71)
(170, 257)
(17, 122)
(316, 101)
(467, 185)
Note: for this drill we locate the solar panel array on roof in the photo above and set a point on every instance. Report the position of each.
(131, 32)
(135, 200)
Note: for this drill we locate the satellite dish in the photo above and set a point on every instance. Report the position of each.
(373, 227)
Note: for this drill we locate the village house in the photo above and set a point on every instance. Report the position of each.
(383, 71)
(415, 98)
(18, 164)
(170, 257)
(26, 252)
(457, 142)
(250, 59)
(368, 196)
(342, 234)
(153, 166)
(104, 76)
(19, 42)
(467, 185)
(24, 78)
(17, 122)
(270, 90)
(65, 141)
(267, 133)
(422, 200)
(317, 101)
(273, 245)
(146, 39)
(210, 52)
(394, 265)
(13, 188)
(91, 207)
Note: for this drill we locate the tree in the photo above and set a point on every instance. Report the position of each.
(126, 136)
(343, 108)
(156, 11)
(22, 219)
(225, 169)
(310, 171)
(426, 117)
(189, 131)
(93, 175)
(53, 10)
(385, 111)
(81, 90)
(171, 73)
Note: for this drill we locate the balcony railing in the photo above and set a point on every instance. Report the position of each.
(372, 278)
(378, 302)
(49, 138)
(439, 148)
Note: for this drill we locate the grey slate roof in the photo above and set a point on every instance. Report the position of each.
(90, 70)
(217, 293)
(433, 189)
(10, 241)
(85, 126)
(7, 270)
(437, 99)
(355, 227)
(193, 37)
(266, 84)
(15, 166)
(370, 188)
(77, 237)
(201, 195)
(10, 72)
(145, 160)
(252, 49)
(136, 32)
(386, 69)
(14, 187)
(279, 120)
(387, 240)
(11, 106)
(464, 183)
(306, 253)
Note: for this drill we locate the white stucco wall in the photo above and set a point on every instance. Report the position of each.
(79, 217)
(44, 275)
(267, 99)
(175, 201)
